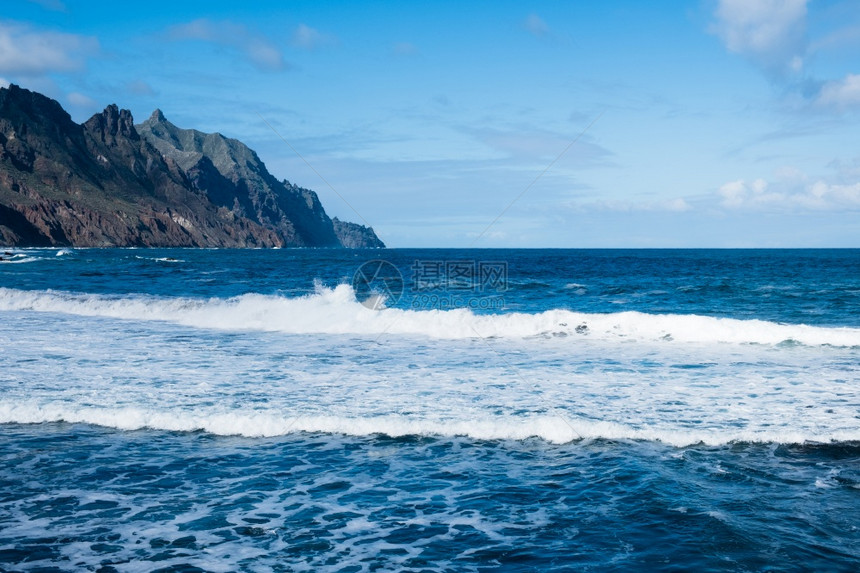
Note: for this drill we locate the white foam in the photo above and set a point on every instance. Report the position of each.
(17, 258)
(336, 311)
(160, 259)
(150, 372)
(554, 429)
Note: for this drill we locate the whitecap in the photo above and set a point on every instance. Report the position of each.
(336, 311)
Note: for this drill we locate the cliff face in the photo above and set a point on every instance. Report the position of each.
(108, 182)
(355, 236)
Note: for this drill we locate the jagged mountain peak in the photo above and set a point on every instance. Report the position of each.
(23, 111)
(113, 122)
(186, 146)
(25, 99)
(242, 180)
(108, 182)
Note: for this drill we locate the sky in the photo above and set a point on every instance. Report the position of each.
(702, 123)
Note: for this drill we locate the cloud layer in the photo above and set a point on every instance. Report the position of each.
(260, 51)
(769, 33)
(840, 94)
(535, 25)
(772, 35)
(791, 191)
(27, 51)
(307, 38)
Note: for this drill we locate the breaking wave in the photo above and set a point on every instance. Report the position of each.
(551, 428)
(336, 311)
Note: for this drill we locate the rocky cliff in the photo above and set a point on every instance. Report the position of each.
(107, 182)
(355, 236)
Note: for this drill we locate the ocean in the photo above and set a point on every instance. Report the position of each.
(429, 410)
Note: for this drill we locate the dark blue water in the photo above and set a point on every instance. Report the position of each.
(187, 410)
(811, 286)
(138, 500)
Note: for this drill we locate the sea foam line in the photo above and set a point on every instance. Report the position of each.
(553, 429)
(336, 311)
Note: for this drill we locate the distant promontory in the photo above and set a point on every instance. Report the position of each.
(111, 183)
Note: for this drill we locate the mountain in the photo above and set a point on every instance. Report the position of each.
(355, 236)
(107, 182)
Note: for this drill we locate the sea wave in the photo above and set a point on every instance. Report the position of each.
(551, 428)
(160, 259)
(336, 311)
(16, 258)
(31, 255)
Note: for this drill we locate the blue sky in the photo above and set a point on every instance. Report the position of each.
(717, 123)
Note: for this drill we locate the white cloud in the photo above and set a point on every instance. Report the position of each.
(264, 55)
(140, 87)
(792, 191)
(733, 193)
(258, 49)
(80, 100)
(310, 39)
(740, 193)
(542, 146)
(676, 205)
(840, 94)
(535, 25)
(29, 52)
(840, 39)
(4, 83)
(770, 33)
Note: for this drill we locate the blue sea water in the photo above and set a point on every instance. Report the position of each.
(430, 410)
